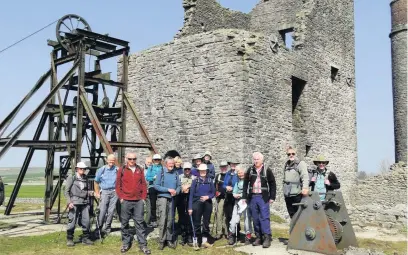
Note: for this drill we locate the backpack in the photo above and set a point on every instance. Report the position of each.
(250, 173)
(297, 170)
(74, 179)
(103, 171)
(162, 176)
(210, 181)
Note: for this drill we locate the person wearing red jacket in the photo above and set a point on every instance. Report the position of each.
(131, 189)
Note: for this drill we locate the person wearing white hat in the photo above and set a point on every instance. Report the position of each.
(151, 175)
(186, 180)
(77, 194)
(202, 192)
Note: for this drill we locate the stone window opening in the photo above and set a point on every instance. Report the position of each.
(334, 73)
(297, 88)
(287, 37)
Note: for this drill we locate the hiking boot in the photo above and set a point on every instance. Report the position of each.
(145, 250)
(257, 241)
(248, 239)
(183, 241)
(231, 240)
(87, 241)
(267, 241)
(206, 245)
(218, 236)
(124, 248)
(70, 242)
(171, 244)
(161, 246)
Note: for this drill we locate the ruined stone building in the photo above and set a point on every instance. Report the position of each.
(234, 83)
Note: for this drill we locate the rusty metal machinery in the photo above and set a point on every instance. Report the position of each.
(321, 226)
(89, 123)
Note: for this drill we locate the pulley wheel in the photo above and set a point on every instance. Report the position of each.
(68, 24)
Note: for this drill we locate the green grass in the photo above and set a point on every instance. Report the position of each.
(390, 248)
(55, 244)
(277, 219)
(27, 191)
(23, 207)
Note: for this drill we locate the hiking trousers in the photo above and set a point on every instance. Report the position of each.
(260, 215)
(236, 218)
(166, 212)
(107, 207)
(221, 223)
(202, 213)
(132, 209)
(78, 212)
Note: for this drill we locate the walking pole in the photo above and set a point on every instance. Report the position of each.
(173, 215)
(236, 233)
(215, 218)
(97, 221)
(195, 243)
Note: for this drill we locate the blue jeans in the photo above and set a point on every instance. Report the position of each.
(260, 215)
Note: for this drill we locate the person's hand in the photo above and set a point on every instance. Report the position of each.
(237, 196)
(172, 192)
(313, 179)
(121, 200)
(190, 212)
(229, 188)
(97, 195)
(305, 192)
(204, 198)
(327, 182)
(70, 205)
(271, 201)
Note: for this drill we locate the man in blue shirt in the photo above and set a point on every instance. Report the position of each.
(106, 179)
(229, 182)
(168, 185)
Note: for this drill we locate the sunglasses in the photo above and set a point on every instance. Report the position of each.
(291, 154)
(131, 158)
(321, 163)
(189, 169)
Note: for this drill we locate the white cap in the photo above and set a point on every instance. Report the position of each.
(187, 165)
(157, 156)
(81, 165)
(202, 167)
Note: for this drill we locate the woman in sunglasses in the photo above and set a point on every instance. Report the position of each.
(295, 181)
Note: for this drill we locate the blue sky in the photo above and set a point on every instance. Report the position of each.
(148, 23)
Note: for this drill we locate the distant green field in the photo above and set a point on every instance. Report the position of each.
(9, 175)
(27, 191)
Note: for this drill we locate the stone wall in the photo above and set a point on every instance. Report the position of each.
(203, 16)
(381, 200)
(231, 91)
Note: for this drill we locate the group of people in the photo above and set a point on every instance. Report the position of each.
(153, 194)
